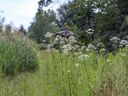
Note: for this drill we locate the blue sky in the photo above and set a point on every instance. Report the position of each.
(21, 11)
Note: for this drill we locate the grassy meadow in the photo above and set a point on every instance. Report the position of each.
(72, 75)
(64, 48)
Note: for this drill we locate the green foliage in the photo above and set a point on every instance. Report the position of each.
(1, 23)
(108, 18)
(44, 22)
(122, 5)
(62, 75)
(77, 13)
(71, 75)
(43, 3)
(77, 16)
(104, 16)
(17, 55)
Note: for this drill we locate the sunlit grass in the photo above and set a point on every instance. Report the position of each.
(67, 75)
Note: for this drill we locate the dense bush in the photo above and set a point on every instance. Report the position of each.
(17, 54)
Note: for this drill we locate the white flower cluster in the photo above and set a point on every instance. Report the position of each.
(72, 39)
(67, 48)
(120, 43)
(91, 46)
(83, 57)
(90, 31)
(123, 43)
(114, 39)
(49, 48)
(66, 44)
(83, 48)
(58, 38)
(48, 35)
(101, 45)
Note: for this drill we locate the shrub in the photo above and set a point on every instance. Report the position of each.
(17, 54)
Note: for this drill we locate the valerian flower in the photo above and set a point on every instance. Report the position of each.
(72, 39)
(126, 46)
(103, 50)
(91, 46)
(114, 39)
(123, 43)
(66, 48)
(83, 48)
(49, 48)
(83, 57)
(58, 38)
(48, 34)
(100, 45)
(90, 31)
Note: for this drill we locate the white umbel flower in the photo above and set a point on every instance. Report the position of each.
(91, 46)
(83, 57)
(48, 34)
(123, 43)
(83, 48)
(58, 38)
(49, 48)
(90, 31)
(114, 39)
(126, 46)
(72, 39)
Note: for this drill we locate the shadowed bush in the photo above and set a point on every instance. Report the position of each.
(17, 54)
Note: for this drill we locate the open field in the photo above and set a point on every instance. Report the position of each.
(71, 75)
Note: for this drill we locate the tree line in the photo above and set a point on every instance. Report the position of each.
(107, 18)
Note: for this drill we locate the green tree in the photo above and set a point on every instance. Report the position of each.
(123, 7)
(43, 3)
(1, 23)
(101, 15)
(44, 22)
(78, 16)
(107, 17)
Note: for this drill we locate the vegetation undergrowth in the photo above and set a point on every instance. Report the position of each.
(17, 54)
(87, 75)
(73, 75)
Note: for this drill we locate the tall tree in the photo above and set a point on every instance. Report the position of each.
(101, 15)
(43, 3)
(123, 7)
(44, 22)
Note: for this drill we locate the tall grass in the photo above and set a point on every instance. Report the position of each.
(17, 54)
(68, 75)
(98, 75)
